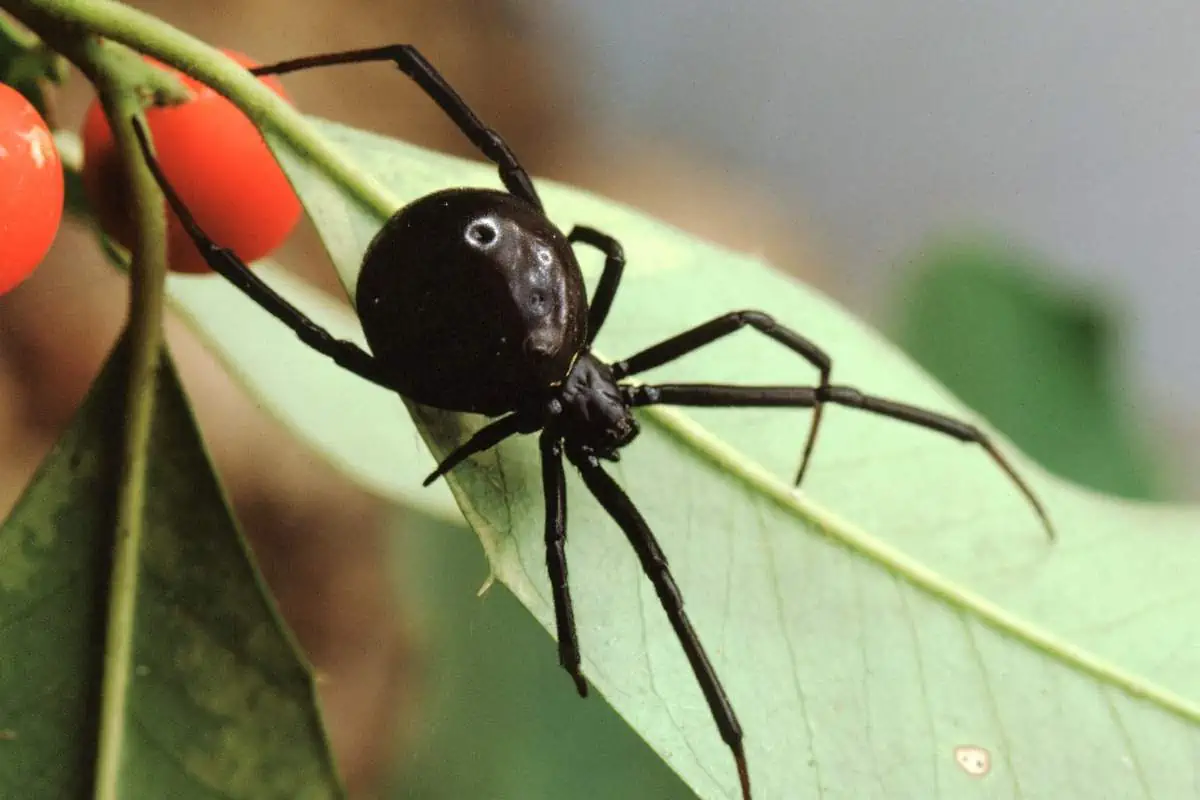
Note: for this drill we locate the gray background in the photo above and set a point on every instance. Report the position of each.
(1069, 126)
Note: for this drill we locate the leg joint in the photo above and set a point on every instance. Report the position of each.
(755, 318)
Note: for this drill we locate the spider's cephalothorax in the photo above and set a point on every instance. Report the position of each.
(472, 300)
(595, 416)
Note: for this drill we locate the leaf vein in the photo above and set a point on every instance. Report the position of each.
(1001, 732)
(1134, 761)
(797, 684)
(922, 683)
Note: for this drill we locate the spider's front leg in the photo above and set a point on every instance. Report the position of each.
(485, 438)
(554, 486)
(654, 564)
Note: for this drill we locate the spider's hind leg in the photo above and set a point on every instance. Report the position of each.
(610, 279)
(227, 264)
(723, 396)
(410, 61)
(681, 344)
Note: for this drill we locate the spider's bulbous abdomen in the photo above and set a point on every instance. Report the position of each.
(471, 299)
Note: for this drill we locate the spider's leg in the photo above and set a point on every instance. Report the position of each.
(654, 564)
(698, 394)
(554, 485)
(614, 265)
(415, 66)
(485, 438)
(225, 262)
(695, 338)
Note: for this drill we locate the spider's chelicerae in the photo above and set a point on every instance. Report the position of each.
(472, 300)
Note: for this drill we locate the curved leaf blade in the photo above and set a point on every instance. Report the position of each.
(220, 702)
(859, 668)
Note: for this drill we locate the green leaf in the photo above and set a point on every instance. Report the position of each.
(904, 606)
(1038, 360)
(220, 703)
(490, 690)
(374, 443)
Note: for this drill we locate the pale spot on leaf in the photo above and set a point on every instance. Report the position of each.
(974, 760)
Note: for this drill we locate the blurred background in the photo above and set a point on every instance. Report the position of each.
(1011, 191)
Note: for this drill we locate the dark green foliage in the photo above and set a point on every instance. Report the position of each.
(1039, 361)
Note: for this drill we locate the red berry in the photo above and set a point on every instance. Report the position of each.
(215, 159)
(31, 188)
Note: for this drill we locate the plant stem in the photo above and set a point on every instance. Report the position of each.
(144, 338)
(171, 46)
(120, 94)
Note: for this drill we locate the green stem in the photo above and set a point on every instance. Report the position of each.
(120, 94)
(144, 337)
(22, 38)
(189, 55)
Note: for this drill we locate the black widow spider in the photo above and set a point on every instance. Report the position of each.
(472, 300)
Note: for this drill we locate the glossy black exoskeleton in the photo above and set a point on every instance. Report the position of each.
(472, 300)
(469, 298)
